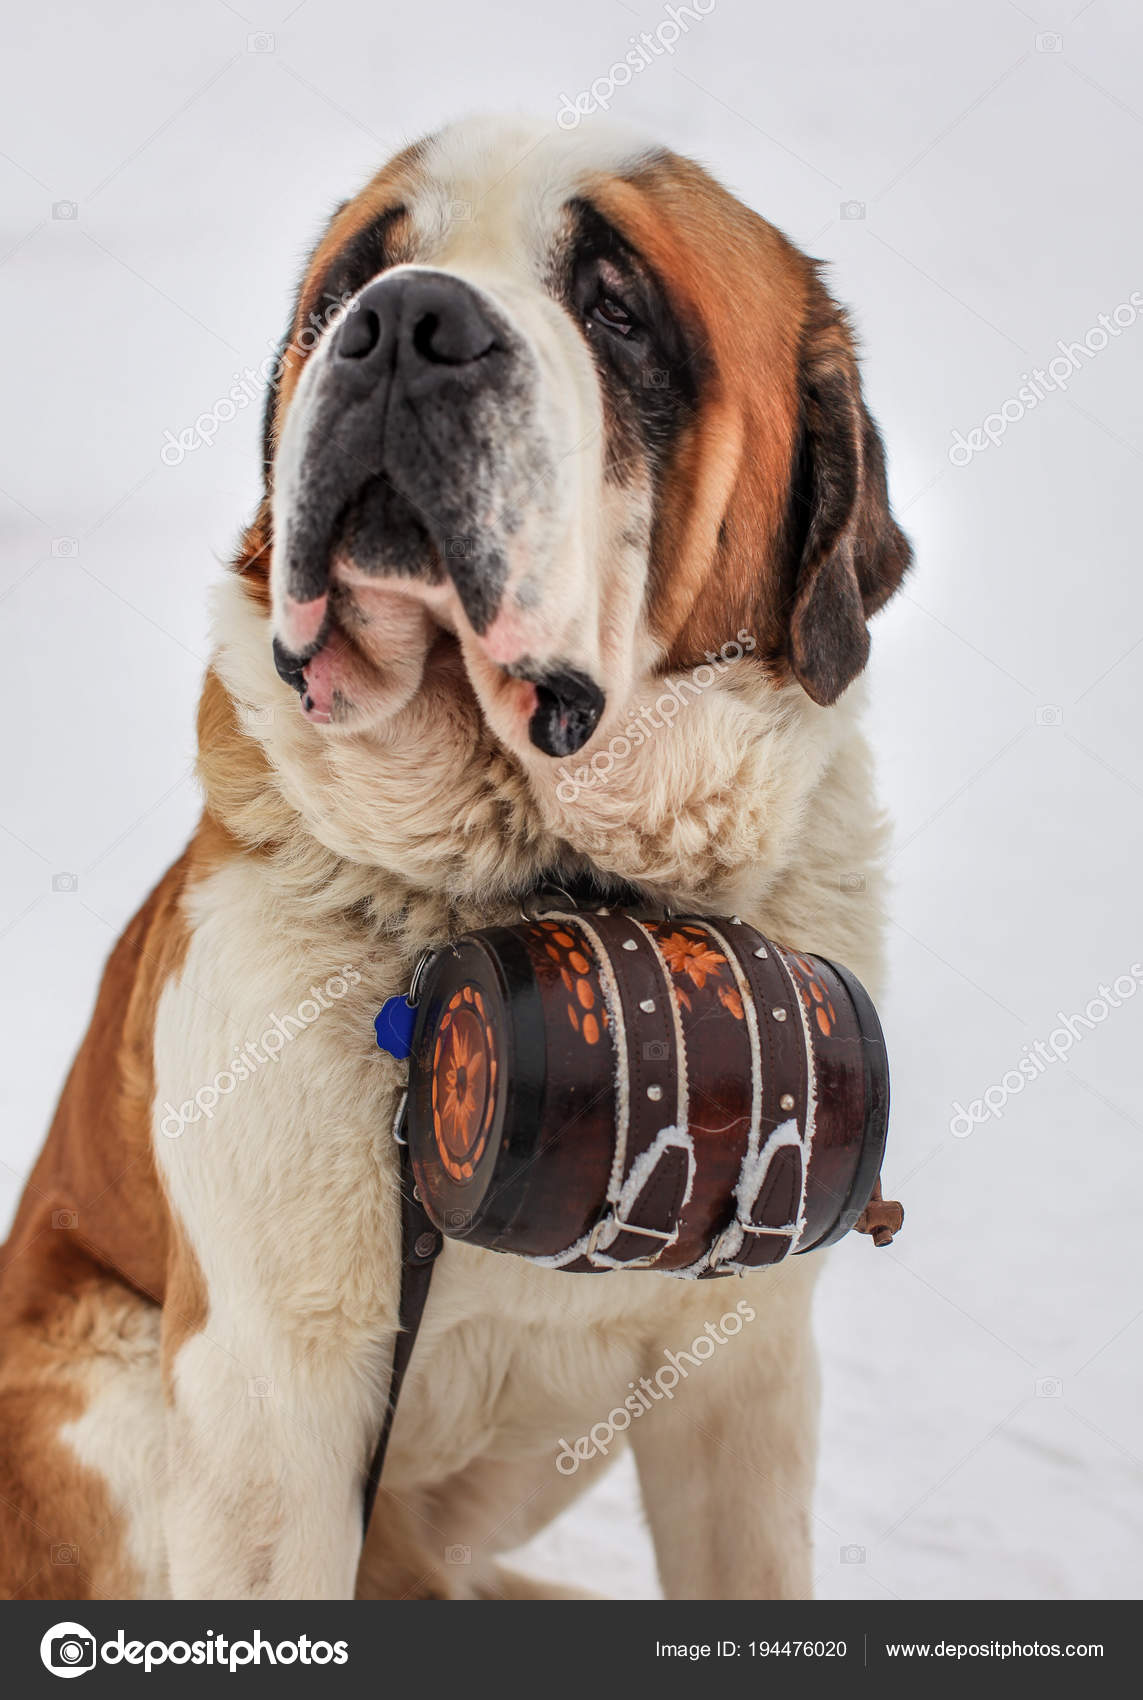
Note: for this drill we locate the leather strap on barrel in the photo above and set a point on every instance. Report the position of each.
(769, 1197)
(653, 1167)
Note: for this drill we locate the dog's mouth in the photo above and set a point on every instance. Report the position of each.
(390, 606)
(334, 679)
(366, 643)
(354, 654)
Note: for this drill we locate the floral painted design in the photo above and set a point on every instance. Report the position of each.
(815, 995)
(691, 957)
(697, 965)
(463, 1083)
(572, 959)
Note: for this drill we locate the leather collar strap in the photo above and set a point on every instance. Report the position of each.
(421, 1245)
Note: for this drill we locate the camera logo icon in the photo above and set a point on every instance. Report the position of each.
(65, 548)
(852, 883)
(1049, 42)
(67, 1220)
(657, 379)
(260, 1388)
(460, 210)
(260, 42)
(65, 1553)
(1049, 1387)
(68, 211)
(656, 1050)
(65, 882)
(68, 1649)
(853, 209)
(853, 1555)
(458, 548)
(458, 1555)
(457, 1219)
(1049, 714)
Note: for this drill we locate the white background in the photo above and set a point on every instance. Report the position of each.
(999, 186)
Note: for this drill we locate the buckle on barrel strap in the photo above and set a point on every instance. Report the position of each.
(616, 1222)
(751, 1179)
(644, 1173)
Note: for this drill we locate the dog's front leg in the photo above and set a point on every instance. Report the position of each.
(283, 1260)
(726, 1446)
(267, 1448)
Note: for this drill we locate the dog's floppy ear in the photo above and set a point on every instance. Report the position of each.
(849, 555)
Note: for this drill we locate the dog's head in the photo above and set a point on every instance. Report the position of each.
(557, 415)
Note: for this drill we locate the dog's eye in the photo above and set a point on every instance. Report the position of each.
(613, 314)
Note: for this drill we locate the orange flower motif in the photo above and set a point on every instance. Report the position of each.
(461, 1097)
(692, 957)
(729, 999)
(814, 995)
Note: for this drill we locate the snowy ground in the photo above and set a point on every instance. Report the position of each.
(970, 185)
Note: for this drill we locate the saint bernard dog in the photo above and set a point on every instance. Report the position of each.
(561, 433)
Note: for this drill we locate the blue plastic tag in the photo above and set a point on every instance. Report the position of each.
(394, 1027)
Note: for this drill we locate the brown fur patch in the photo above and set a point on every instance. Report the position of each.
(89, 1251)
(725, 495)
(96, 1173)
(60, 1535)
(236, 779)
(738, 542)
(253, 558)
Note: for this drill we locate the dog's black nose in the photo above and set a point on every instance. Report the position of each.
(424, 319)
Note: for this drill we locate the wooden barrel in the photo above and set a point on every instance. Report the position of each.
(595, 1091)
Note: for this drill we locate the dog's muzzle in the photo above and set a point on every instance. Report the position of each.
(418, 462)
(392, 444)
